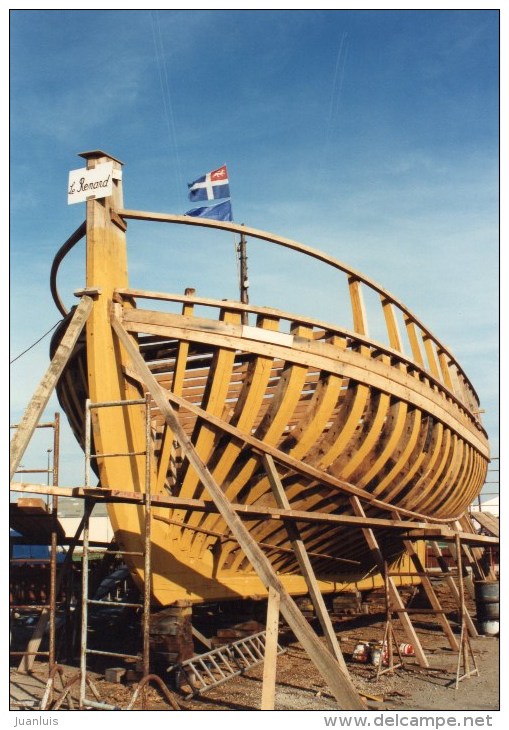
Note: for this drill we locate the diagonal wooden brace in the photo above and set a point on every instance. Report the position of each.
(339, 683)
(304, 563)
(370, 538)
(45, 388)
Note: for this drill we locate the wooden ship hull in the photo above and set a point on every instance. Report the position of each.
(350, 427)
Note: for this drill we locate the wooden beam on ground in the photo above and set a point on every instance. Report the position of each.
(304, 563)
(339, 683)
(45, 388)
(270, 659)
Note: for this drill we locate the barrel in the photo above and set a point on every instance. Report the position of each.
(487, 601)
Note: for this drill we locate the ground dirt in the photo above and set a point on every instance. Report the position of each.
(301, 687)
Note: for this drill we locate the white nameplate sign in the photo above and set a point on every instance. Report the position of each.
(96, 183)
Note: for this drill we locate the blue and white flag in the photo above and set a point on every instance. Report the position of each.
(219, 212)
(212, 186)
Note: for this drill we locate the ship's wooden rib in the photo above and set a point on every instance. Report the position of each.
(392, 423)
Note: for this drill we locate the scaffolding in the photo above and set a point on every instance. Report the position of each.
(48, 531)
(147, 544)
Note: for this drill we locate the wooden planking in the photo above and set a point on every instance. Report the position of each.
(487, 521)
(271, 646)
(429, 349)
(415, 331)
(407, 460)
(318, 355)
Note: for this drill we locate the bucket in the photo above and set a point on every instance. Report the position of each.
(487, 605)
(361, 653)
(489, 628)
(379, 654)
(406, 650)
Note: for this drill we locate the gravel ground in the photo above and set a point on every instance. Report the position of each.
(301, 687)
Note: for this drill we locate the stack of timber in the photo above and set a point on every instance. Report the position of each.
(358, 428)
(170, 632)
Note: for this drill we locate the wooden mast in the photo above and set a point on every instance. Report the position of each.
(115, 430)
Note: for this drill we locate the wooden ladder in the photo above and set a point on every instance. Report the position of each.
(215, 667)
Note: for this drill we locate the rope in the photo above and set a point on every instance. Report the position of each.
(35, 343)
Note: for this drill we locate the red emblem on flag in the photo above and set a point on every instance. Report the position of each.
(219, 174)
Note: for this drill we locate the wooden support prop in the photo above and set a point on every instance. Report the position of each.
(339, 683)
(304, 563)
(270, 660)
(45, 388)
(397, 601)
(432, 596)
(437, 552)
(466, 652)
(430, 592)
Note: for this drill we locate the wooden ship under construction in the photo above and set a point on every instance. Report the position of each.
(264, 413)
(248, 452)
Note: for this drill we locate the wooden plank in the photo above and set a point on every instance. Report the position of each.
(404, 464)
(414, 529)
(488, 522)
(339, 683)
(360, 322)
(305, 564)
(247, 412)
(304, 468)
(391, 324)
(40, 398)
(270, 658)
(431, 356)
(368, 438)
(413, 338)
(177, 385)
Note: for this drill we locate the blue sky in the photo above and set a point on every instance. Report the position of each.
(372, 135)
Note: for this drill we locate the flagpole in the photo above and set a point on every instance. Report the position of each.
(244, 281)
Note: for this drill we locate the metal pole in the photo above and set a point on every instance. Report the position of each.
(88, 438)
(84, 601)
(53, 559)
(244, 281)
(147, 583)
